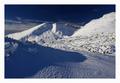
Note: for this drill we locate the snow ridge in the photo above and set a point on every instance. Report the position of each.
(22, 34)
(103, 24)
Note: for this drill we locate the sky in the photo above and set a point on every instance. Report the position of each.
(21, 17)
(70, 13)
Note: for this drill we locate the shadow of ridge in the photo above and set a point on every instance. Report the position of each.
(29, 58)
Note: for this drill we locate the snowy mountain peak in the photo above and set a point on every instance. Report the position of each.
(101, 25)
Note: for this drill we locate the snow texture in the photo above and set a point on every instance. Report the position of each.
(103, 24)
(61, 50)
(28, 60)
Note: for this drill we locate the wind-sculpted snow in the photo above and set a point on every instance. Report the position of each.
(32, 60)
(57, 50)
(27, 59)
(96, 36)
(100, 38)
(59, 29)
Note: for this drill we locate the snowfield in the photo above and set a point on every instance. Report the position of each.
(63, 50)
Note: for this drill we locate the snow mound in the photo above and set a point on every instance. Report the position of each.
(103, 24)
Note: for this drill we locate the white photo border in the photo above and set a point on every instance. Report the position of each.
(36, 2)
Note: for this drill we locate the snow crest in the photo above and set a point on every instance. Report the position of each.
(103, 24)
(22, 34)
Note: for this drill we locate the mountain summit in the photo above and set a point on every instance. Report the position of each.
(102, 25)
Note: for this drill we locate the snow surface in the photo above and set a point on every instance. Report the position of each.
(103, 43)
(59, 50)
(60, 29)
(54, 28)
(28, 60)
(103, 24)
(22, 34)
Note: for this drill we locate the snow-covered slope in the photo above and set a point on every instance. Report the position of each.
(46, 31)
(105, 24)
(57, 50)
(28, 60)
(102, 43)
(96, 36)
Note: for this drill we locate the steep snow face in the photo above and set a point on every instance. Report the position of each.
(103, 24)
